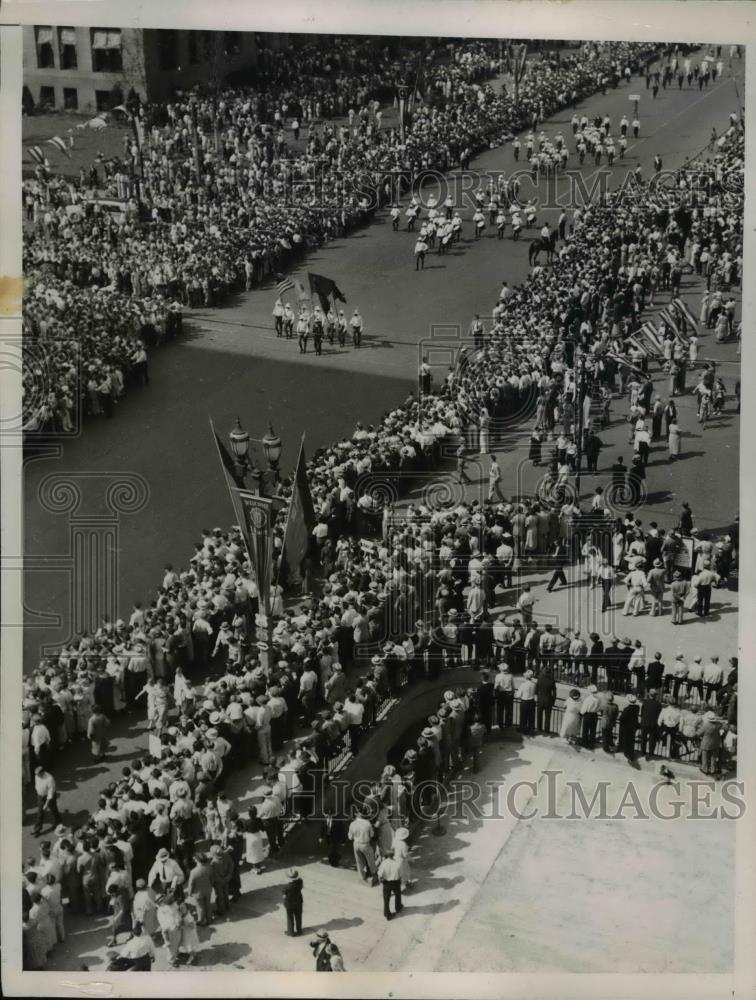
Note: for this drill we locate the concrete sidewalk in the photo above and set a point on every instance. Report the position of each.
(494, 883)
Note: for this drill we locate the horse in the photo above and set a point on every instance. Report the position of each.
(540, 243)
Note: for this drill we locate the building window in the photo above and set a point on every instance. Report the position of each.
(167, 47)
(67, 48)
(70, 98)
(106, 50)
(45, 53)
(103, 100)
(232, 42)
(47, 96)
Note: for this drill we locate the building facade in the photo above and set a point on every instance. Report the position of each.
(94, 69)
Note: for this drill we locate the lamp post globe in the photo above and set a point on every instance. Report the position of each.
(271, 444)
(239, 440)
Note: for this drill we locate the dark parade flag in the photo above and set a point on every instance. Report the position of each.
(299, 523)
(324, 288)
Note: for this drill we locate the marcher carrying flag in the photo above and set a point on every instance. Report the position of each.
(624, 363)
(324, 288)
(60, 144)
(690, 318)
(669, 319)
(649, 336)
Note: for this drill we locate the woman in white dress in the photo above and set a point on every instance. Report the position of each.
(83, 692)
(189, 942)
(254, 841)
(115, 668)
(618, 548)
(570, 730)
(673, 441)
(401, 854)
(276, 601)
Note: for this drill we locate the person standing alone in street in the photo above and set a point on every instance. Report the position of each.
(292, 896)
(390, 876)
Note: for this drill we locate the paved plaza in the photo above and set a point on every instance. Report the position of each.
(501, 894)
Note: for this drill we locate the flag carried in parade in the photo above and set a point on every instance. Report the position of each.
(97, 123)
(640, 346)
(60, 144)
(324, 288)
(669, 319)
(686, 313)
(624, 363)
(299, 524)
(649, 336)
(37, 154)
(287, 284)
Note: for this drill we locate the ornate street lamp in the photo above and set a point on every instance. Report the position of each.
(271, 444)
(239, 441)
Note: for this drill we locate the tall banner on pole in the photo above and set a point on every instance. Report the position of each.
(324, 288)
(299, 523)
(257, 524)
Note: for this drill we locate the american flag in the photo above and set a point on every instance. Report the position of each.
(686, 313)
(36, 154)
(619, 360)
(284, 286)
(60, 145)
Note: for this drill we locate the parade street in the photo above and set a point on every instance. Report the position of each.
(230, 363)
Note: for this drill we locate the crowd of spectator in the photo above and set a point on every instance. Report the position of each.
(404, 595)
(215, 197)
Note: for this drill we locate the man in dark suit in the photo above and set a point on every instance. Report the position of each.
(612, 659)
(655, 673)
(596, 656)
(649, 727)
(623, 663)
(292, 895)
(609, 714)
(486, 699)
(619, 474)
(546, 692)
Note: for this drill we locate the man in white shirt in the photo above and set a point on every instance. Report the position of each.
(713, 675)
(525, 604)
(139, 949)
(636, 585)
(47, 798)
(504, 689)
(166, 871)
(361, 834)
(355, 712)
(668, 722)
(589, 708)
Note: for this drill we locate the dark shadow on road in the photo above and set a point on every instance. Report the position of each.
(223, 954)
